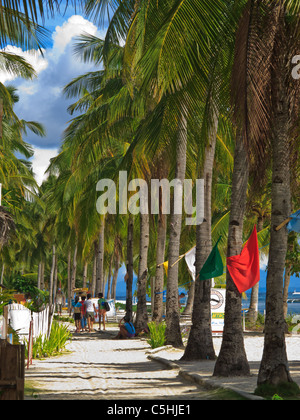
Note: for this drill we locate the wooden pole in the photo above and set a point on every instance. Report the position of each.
(30, 345)
(5, 323)
(283, 224)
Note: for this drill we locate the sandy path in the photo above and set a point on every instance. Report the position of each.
(102, 368)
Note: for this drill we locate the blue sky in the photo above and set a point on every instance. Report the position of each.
(41, 99)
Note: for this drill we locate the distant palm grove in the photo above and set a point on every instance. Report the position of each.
(186, 89)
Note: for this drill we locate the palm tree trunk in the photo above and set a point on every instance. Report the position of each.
(94, 276)
(108, 295)
(173, 334)
(141, 312)
(100, 261)
(232, 359)
(39, 276)
(274, 366)
(43, 276)
(55, 280)
(2, 273)
(115, 276)
(287, 279)
(84, 276)
(69, 283)
(188, 310)
(200, 343)
(74, 269)
(52, 275)
(159, 275)
(129, 280)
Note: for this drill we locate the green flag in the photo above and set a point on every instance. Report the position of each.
(213, 267)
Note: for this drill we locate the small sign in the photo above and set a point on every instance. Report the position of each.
(217, 302)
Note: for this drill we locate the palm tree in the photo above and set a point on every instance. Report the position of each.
(173, 334)
(285, 96)
(262, 115)
(200, 344)
(7, 226)
(232, 360)
(16, 176)
(151, 53)
(261, 209)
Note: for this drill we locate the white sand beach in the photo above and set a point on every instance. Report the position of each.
(99, 367)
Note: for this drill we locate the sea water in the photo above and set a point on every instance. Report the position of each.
(293, 308)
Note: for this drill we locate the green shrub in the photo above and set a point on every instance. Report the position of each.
(6, 296)
(285, 389)
(157, 334)
(59, 336)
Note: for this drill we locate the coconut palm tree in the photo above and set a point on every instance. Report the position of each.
(16, 177)
(263, 116)
(152, 55)
(284, 111)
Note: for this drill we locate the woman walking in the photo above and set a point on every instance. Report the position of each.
(77, 313)
(90, 312)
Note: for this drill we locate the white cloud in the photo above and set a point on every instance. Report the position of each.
(74, 26)
(264, 261)
(41, 99)
(62, 37)
(33, 57)
(41, 161)
(27, 89)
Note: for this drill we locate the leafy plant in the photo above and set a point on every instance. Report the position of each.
(6, 296)
(157, 334)
(26, 285)
(290, 389)
(276, 397)
(46, 347)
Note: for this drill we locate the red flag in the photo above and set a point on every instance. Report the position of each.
(244, 268)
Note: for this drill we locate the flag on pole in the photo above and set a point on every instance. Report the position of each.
(244, 268)
(166, 266)
(294, 223)
(213, 267)
(190, 258)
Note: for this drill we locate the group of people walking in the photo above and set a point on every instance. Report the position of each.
(85, 310)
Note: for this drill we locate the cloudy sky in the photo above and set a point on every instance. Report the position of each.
(41, 99)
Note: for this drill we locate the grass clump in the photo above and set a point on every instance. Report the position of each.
(157, 334)
(51, 346)
(280, 391)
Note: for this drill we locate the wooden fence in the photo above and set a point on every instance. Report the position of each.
(12, 371)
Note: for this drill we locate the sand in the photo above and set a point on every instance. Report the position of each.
(99, 367)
